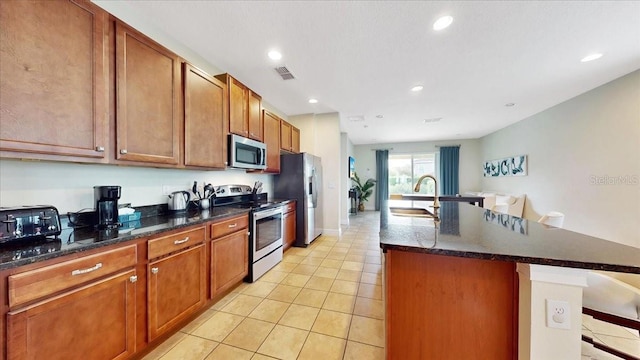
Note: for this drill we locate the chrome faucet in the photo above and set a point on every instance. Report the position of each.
(436, 202)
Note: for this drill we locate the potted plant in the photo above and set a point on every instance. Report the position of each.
(364, 190)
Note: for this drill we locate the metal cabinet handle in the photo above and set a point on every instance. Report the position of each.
(88, 270)
(100, 148)
(154, 270)
(133, 278)
(178, 242)
(231, 226)
(123, 151)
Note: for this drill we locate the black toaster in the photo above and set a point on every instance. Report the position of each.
(24, 223)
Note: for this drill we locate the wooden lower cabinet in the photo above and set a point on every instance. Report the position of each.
(177, 287)
(442, 307)
(229, 260)
(95, 321)
(289, 224)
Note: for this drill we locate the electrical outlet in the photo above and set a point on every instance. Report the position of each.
(558, 314)
(166, 190)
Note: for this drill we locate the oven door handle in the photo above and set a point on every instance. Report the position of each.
(266, 213)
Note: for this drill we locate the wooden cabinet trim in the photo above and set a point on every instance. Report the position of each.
(34, 284)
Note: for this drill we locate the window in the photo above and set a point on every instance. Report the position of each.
(406, 169)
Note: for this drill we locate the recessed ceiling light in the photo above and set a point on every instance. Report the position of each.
(432, 120)
(417, 88)
(313, 101)
(379, 116)
(442, 23)
(591, 57)
(275, 55)
(509, 104)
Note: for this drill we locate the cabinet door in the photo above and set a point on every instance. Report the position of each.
(272, 140)
(295, 139)
(237, 108)
(285, 135)
(96, 321)
(53, 93)
(229, 261)
(255, 120)
(148, 103)
(176, 288)
(289, 229)
(204, 110)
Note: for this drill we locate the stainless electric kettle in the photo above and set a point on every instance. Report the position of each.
(178, 200)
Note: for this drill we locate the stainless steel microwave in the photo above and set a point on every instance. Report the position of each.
(246, 153)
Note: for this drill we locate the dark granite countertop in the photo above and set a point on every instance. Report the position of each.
(86, 238)
(469, 231)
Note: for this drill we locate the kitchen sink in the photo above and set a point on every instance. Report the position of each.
(411, 212)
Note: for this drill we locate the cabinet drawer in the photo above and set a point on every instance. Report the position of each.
(225, 227)
(168, 244)
(34, 284)
(289, 207)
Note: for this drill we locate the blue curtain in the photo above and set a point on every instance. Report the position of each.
(449, 164)
(382, 176)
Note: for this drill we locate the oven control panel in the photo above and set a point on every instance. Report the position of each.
(29, 222)
(232, 190)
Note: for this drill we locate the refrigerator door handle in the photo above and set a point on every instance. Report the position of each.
(312, 185)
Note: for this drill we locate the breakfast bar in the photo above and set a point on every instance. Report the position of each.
(470, 283)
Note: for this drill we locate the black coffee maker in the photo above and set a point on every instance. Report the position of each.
(106, 198)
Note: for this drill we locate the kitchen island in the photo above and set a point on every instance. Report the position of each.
(451, 286)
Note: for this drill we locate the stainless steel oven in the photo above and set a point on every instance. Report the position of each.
(266, 240)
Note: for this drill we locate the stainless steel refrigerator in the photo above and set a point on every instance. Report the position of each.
(300, 179)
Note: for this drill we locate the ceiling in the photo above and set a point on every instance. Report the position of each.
(361, 58)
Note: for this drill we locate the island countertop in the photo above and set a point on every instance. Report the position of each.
(469, 231)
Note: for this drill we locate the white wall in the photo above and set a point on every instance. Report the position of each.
(470, 161)
(69, 186)
(320, 136)
(572, 148)
(346, 150)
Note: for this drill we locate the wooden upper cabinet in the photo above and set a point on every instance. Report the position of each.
(245, 109)
(295, 139)
(289, 137)
(272, 140)
(53, 93)
(255, 120)
(238, 108)
(285, 135)
(205, 143)
(148, 92)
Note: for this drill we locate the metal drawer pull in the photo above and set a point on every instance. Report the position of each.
(154, 270)
(233, 225)
(133, 278)
(88, 270)
(178, 242)
(123, 151)
(100, 148)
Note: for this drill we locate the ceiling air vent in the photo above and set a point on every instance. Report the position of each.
(284, 73)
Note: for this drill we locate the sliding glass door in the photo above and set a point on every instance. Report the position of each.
(404, 172)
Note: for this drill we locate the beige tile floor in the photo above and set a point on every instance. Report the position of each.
(321, 302)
